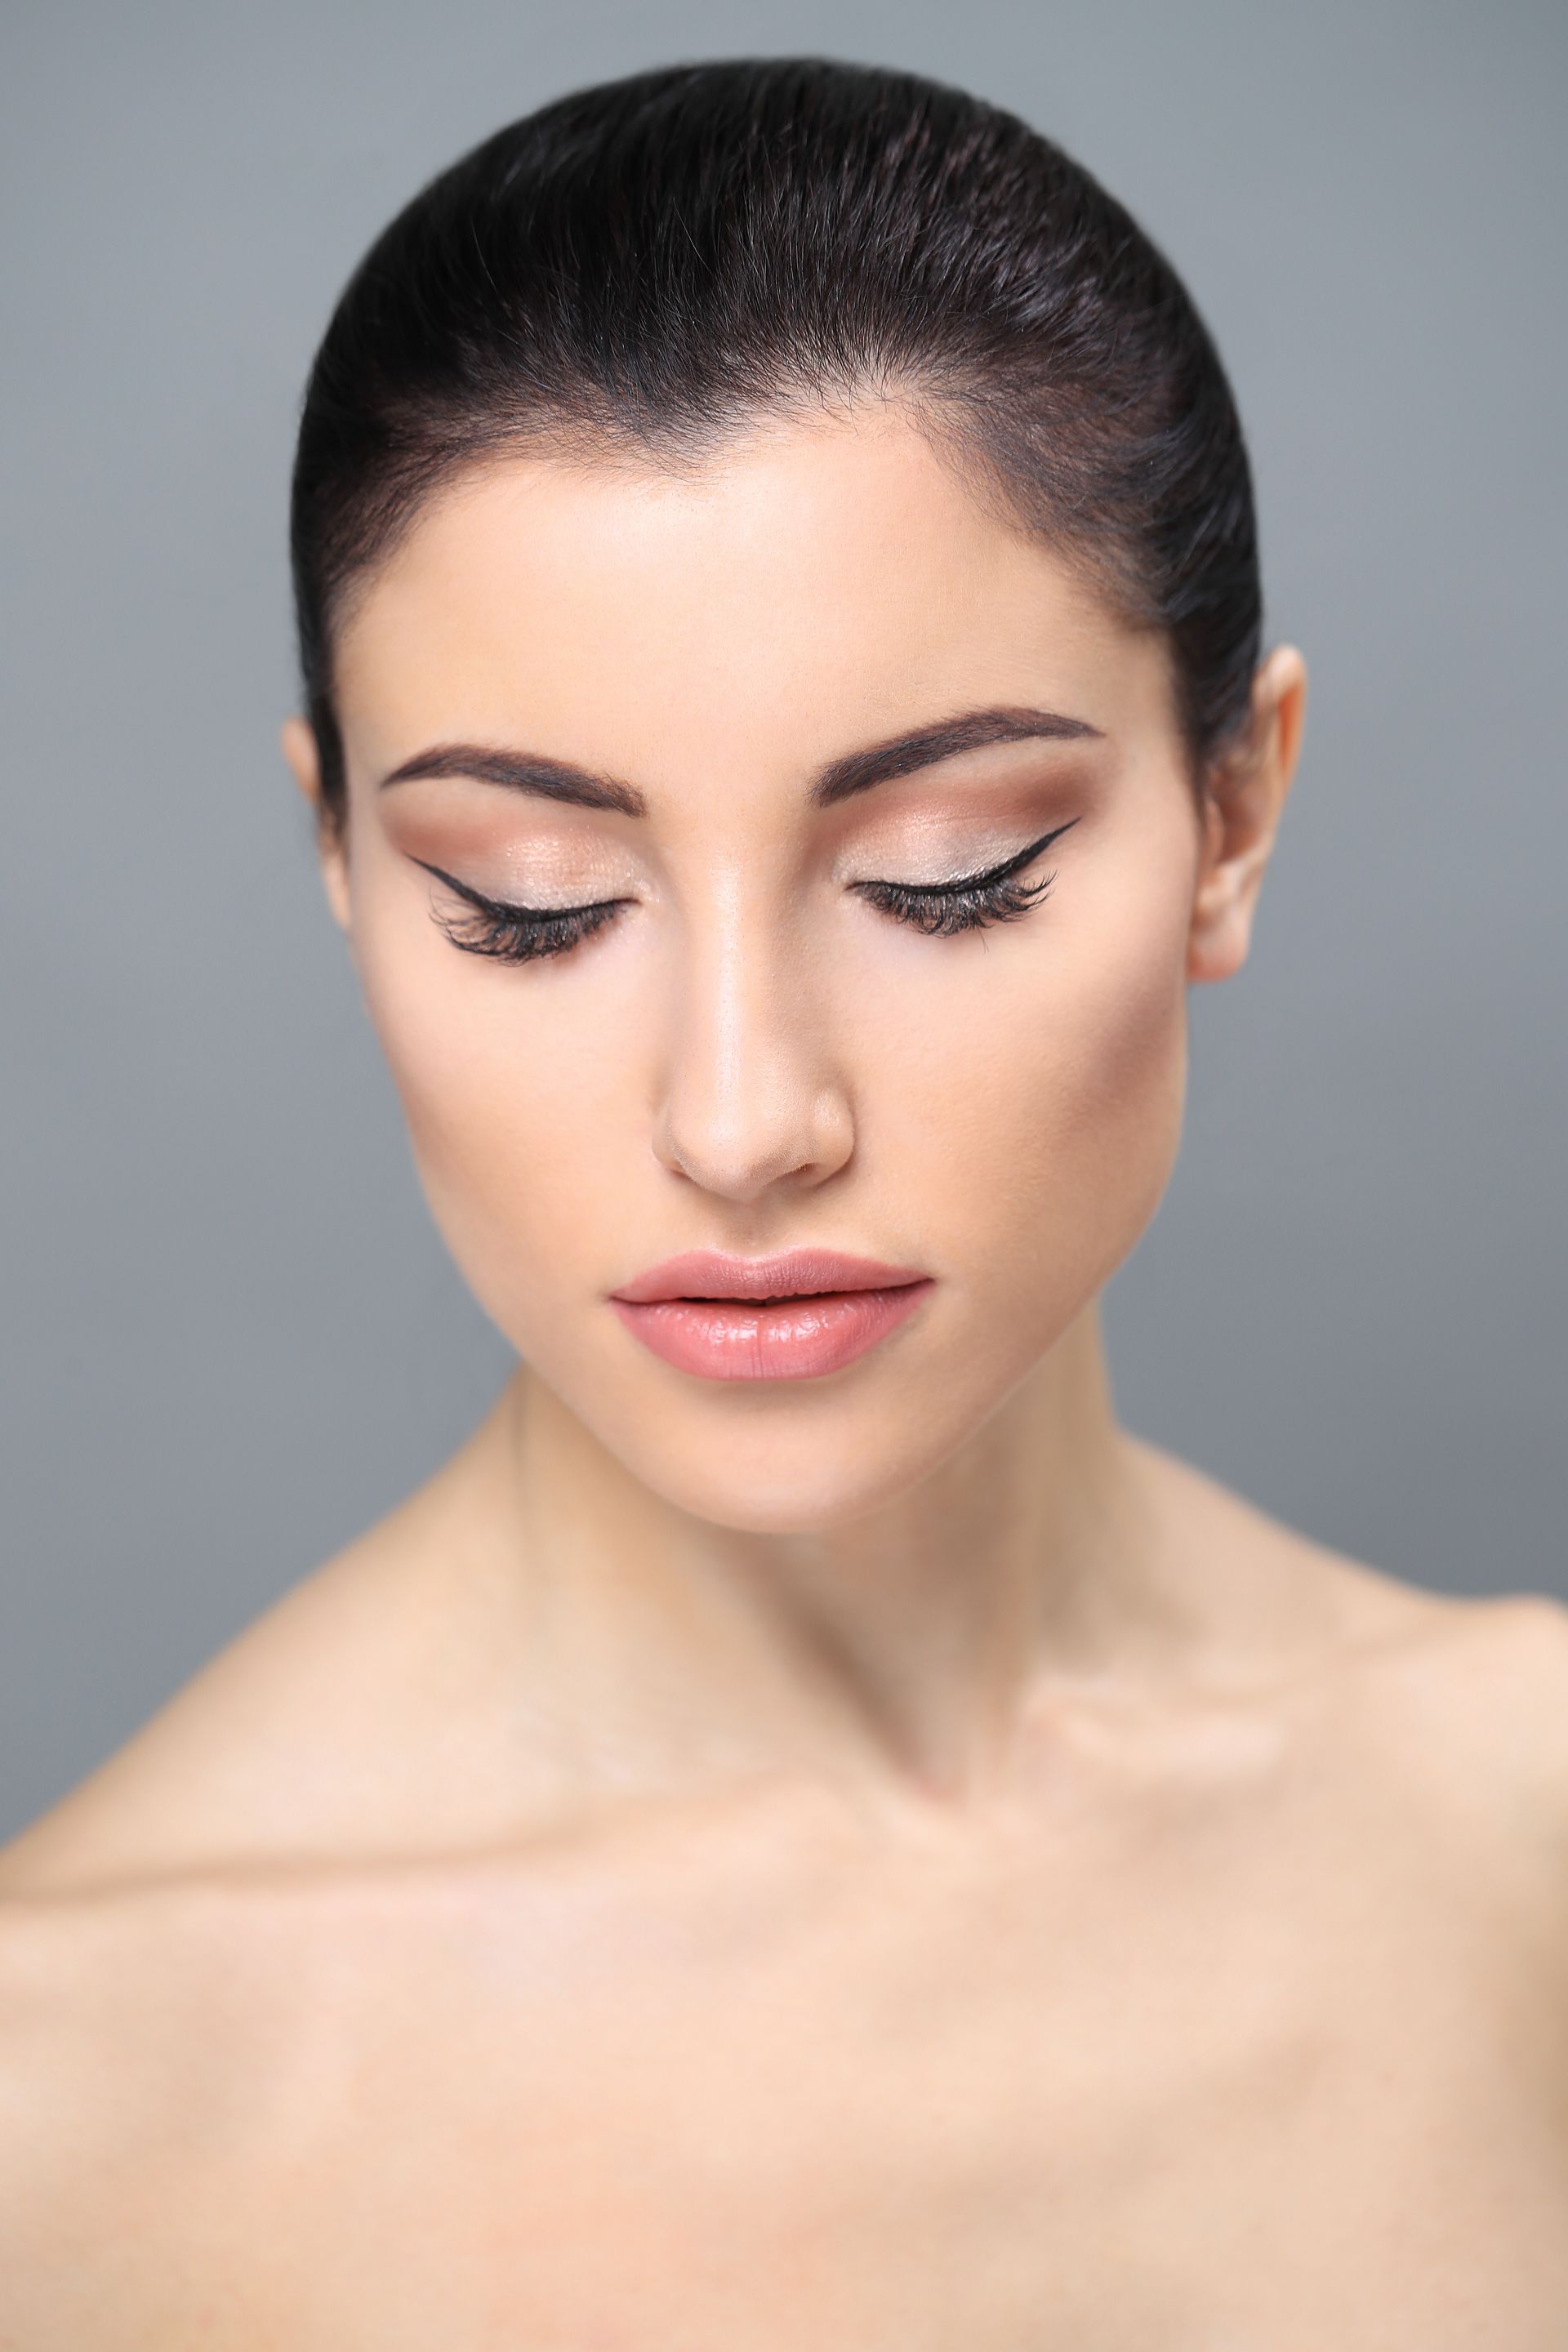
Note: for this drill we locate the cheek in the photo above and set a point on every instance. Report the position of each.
(1043, 1110)
(519, 1092)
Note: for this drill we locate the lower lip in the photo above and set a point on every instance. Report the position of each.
(776, 1340)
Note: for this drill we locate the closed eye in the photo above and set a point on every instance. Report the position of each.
(994, 896)
(512, 934)
(508, 933)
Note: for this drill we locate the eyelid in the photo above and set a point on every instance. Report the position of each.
(954, 888)
(975, 881)
(509, 907)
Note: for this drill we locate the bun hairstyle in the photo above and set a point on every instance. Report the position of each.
(640, 267)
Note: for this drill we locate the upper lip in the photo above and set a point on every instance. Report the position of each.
(787, 1273)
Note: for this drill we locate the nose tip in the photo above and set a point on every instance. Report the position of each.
(741, 1152)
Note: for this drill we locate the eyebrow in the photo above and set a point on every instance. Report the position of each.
(521, 772)
(924, 747)
(855, 772)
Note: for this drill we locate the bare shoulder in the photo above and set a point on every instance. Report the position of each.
(221, 1767)
(156, 2041)
(113, 2080)
(1482, 1684)
(1480, 1680)
(125, 1991)
(1466, 1695)
(308, 1735)
(87, 1998)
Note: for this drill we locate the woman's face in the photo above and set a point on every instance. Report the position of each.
(746, 1049)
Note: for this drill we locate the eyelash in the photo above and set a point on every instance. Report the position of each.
(490, 927)
(993, 897)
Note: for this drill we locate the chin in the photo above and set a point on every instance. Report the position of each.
(781, 1496)
(794, 1457)
(806, 1497)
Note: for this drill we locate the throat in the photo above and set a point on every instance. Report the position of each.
(902, 1647)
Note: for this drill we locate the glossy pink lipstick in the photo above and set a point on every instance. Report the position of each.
(792, 1317)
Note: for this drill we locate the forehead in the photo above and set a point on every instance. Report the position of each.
(809, 583)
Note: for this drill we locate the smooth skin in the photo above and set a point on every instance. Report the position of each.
(883, 1863)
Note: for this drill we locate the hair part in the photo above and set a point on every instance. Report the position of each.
(639, 269)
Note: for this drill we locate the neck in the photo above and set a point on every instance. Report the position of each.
(906, 1648)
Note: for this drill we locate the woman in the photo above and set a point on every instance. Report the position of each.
(805, 1833)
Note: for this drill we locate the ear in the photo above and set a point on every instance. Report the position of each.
(300, 749)
(1244, 796)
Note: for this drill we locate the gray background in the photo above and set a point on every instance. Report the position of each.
(231, 1338)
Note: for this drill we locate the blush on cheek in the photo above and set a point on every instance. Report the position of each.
(463, 1098)
(520, 1124)
(489, 1172)
(1130, 1080)
(1132, 1020)
(1081, 1124)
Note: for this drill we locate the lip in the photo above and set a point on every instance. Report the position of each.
(796, 1315)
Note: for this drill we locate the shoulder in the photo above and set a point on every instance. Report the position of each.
(1483, 1684)
(160, 2046)
(226, 1767)
(1479, 1682)
(1460, 1702)
(1478, 1710)
(307, 1738)
(121, 1974)
(1449, 1722)
(107, 2088)
(220, 1767)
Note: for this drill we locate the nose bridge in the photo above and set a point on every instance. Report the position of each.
(750, 1093)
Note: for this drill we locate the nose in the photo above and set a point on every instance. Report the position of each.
(749, 1098)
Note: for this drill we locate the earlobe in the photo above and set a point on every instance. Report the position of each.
(1222, 925)
(1220, 940)
(1243, 797)
(299, 750)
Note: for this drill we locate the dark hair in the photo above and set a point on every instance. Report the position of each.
(640, 267)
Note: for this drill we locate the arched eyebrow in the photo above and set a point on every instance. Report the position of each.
(855, 772)
(521, 772)
(924, 747)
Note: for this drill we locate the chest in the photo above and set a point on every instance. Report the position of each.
(1008, 2114)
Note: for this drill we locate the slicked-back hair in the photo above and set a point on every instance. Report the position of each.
(640, 268)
